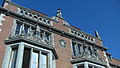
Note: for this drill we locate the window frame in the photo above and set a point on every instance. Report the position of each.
(86, 65)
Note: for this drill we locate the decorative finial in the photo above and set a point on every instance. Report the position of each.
(59, 13)
(97, 34)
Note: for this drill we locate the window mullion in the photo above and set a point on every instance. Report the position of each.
(76, 49)
(20, 55)
(22, 29)
(39, 59)
(14, 28)
(86, 65)
(29, 30)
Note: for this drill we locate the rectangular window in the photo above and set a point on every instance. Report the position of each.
(13, 58)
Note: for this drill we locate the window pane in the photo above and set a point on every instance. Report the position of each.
(13, 59)
(43, 61)
(26, 29)
(79, 50)
(34, 60)
(26, 58)
(17, 31)
(47, 36)
(73, 47)
(90, 66)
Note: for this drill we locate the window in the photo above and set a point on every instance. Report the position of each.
(19, 28)
(26, 28)
(23, 29)
(17, 31)
(35, 60)
(74, 48)
(13, 58)
(44, 60)
(47, 36)
(32, 58)
(77, 49)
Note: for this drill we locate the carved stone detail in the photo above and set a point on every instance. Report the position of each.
(88, 51)
(37, 34)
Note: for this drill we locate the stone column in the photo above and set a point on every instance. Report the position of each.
(7, 57)
(20, 55)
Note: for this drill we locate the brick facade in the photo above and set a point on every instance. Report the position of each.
(93, 53)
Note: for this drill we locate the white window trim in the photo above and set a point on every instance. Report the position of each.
(86, 63)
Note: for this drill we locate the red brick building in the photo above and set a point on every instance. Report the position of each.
(31, 39)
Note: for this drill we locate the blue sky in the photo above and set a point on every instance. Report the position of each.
(88, 15)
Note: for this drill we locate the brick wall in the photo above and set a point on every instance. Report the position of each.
(6, 27)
